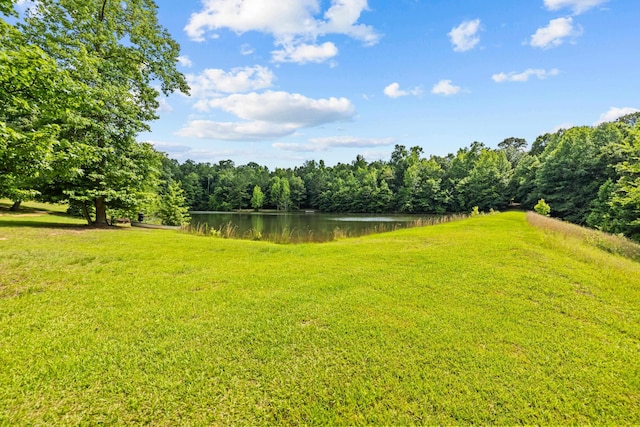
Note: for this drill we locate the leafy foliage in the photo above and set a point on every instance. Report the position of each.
(257, 198)
(542, 208)
(173, 209)
(32, 92)
(117, 51)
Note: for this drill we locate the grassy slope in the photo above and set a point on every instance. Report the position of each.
(486, 320)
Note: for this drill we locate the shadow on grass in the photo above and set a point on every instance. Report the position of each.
(41, 208)
(50, 220)
(44, 224)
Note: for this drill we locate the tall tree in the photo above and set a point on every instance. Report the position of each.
(514, 149)
(571, 172)
(487, 184)
(257, 198)
(33, 90)
(119, 52)
(617, 208)
(281, 193)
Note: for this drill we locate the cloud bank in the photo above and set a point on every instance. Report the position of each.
(267, 115)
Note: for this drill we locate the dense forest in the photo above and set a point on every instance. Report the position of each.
(588, 175)
(78, 84)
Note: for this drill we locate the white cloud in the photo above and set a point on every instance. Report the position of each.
(235, 131)
(554, 34)
(327, 143)
(284, 107)
(524, 76)
(212, 81)
(615, 113)
(394, 91)
(341, 18)
(578, 6)
(268, 115)
(292, 23)
(465, 36)
(304, 53)
(185, 61)
(446, 88)
(246, 49)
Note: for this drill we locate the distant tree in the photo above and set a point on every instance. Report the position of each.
(523, 181)
(542, 141)
(630, 120)
(281, 193)
(422, 192)
(487, 184)
(315, 177)
(617, 207)
(571, 173)
(257, 199)
(458, 168)
(231, 190)
(514, 149)
(173, 207)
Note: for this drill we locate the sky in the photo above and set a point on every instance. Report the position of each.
(280, 82)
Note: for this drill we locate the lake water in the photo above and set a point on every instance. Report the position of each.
(301, 226)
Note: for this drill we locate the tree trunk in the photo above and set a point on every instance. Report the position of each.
(16, 206)
(85, 213)
(101, 212)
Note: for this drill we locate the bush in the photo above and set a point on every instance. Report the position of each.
(542, 208)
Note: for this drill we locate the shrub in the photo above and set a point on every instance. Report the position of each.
(542, 208)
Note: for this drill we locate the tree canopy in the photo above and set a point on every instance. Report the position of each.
(122, 59)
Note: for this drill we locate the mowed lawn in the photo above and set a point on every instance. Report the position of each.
(487, 320)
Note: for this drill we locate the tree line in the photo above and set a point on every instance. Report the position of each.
(79, 81)
(588, 175)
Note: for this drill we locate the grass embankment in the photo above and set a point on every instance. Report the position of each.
(487, 320)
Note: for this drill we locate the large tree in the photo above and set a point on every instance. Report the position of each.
(33, 90)
(572, 169)
(117, 50)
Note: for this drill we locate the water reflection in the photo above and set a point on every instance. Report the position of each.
(300, 226)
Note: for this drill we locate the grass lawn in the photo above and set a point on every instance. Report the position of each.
(487, 320)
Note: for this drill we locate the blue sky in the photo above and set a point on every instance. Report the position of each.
(281, 82)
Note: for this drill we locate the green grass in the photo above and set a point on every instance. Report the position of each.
(488, 320)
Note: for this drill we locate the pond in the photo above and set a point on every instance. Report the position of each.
(307, 226)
